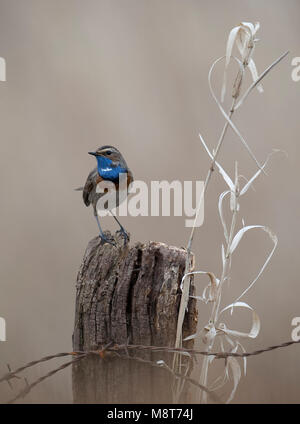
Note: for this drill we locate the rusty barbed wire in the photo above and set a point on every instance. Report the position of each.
(11, 374)
(101, 353)
(29, 387)
(114, 349)
(218, 355)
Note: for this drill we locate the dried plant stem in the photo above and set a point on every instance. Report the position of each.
(216, 305)
(209, 174)
(226, 267)
(186, 288)
(203, 376)
(187, 283)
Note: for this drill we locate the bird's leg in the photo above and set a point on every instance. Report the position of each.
(122, 229)
(102, 235)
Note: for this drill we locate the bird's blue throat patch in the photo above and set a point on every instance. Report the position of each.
(107, 170)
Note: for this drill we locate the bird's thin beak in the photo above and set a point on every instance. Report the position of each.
(92, 153)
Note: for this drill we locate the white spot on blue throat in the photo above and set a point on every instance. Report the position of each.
(107, 170)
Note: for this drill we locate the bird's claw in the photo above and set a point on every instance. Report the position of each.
(124, 234)
(105, 239)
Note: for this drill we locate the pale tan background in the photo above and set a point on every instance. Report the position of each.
(133, 73)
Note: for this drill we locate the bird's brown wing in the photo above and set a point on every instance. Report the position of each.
(90, 184)
(129, 177)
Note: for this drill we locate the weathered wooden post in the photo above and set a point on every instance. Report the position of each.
(128, 295)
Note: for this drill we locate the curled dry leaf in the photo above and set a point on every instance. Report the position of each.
(211, 287)
(255, 328)
(237, 239)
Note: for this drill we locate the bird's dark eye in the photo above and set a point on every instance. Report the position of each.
(108, 152)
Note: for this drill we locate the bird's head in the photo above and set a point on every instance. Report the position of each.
(109, 159)
(109, 152)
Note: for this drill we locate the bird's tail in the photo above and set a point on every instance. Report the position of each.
(78, 189)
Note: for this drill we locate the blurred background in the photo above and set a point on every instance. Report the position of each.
(133, 74)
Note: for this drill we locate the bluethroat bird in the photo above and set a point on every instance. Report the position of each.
(110, 164)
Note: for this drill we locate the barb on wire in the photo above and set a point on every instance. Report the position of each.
(12, 374)
(8, 381)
